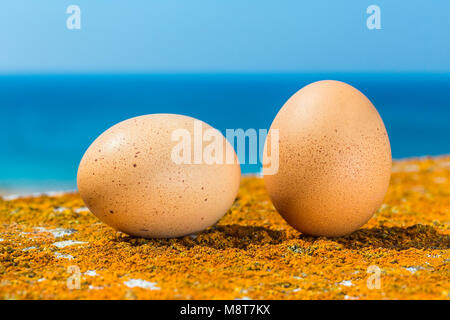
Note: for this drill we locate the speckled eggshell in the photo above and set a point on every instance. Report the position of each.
(334, 160)
(128, 180)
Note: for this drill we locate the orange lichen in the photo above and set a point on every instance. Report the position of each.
(251, 252)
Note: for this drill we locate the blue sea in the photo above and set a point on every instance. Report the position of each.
(48, 121)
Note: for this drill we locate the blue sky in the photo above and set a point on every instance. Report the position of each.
(224, 36)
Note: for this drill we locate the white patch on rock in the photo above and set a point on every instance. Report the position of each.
(91, 287)
(63, 256)
(346, 283)
(132, 283)
(62, 244)
(58, 232)
(414, 269)
(91, 273)
(82, 209)
(29, 248)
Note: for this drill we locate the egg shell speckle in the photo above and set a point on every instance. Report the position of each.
(128, 179)
(334, 160)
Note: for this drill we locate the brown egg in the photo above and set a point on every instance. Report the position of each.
(132, 178)
(334, 160)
